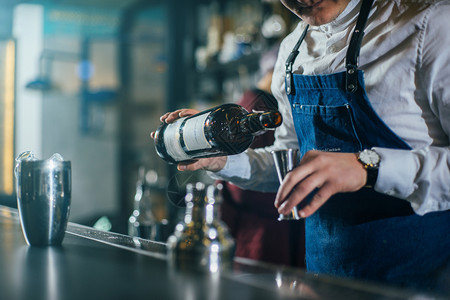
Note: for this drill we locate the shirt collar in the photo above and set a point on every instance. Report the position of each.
(347, 17)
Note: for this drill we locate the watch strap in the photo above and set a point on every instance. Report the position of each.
(372, 175)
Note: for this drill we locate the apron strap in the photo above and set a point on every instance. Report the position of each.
(351, 63)
(290, 61)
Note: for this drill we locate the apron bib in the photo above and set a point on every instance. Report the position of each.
(363, 234)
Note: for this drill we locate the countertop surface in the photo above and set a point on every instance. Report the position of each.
(93, 264)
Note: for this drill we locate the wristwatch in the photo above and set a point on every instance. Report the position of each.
(371, 161)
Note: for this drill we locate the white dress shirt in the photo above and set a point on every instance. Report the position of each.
(405, 55)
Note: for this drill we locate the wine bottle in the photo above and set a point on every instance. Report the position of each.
(223, 130)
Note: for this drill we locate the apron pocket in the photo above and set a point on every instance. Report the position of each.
(325, 128)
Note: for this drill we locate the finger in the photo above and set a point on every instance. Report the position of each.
(289, 182)
(187, 112)
(285, 188)
(164, 117)
(307, 166)
(189, 166)
(319, 198)
(152, 135)
(172, 116)
(300, 192)
(213, 164)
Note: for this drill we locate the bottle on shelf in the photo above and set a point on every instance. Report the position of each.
(223, 130)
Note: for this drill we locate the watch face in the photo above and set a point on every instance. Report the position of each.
(369, 157)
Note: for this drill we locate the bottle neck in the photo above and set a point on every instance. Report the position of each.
(194, 204)
(211, 213)
(193, 214)
(203, 208)
(258, 123)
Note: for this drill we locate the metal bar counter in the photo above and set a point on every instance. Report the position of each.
(93, 264)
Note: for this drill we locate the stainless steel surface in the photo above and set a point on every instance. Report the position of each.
(93, 264)
(43, 198)
(201, 239)
(285, 161)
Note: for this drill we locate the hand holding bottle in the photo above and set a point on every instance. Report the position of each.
(186, 136)
(213, 164)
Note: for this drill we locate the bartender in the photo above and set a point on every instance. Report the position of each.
(364, 89)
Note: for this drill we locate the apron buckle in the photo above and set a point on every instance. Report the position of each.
(289, 83)
(351, 78)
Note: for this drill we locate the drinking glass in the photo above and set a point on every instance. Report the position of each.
(285, 161)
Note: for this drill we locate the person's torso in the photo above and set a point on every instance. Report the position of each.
(364, 234)
(389, 57)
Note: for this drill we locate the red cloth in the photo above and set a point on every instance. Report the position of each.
(252, 217)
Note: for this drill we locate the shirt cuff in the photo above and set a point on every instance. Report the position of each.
(236, 166)
(396, 172)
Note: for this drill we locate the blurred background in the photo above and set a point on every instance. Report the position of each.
(89, 79)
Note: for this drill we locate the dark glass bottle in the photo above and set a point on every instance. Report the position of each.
(223, 130)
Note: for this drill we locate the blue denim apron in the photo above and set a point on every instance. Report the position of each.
(363, 234)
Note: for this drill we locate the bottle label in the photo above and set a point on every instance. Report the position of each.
(194, 133)
(172, 141)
